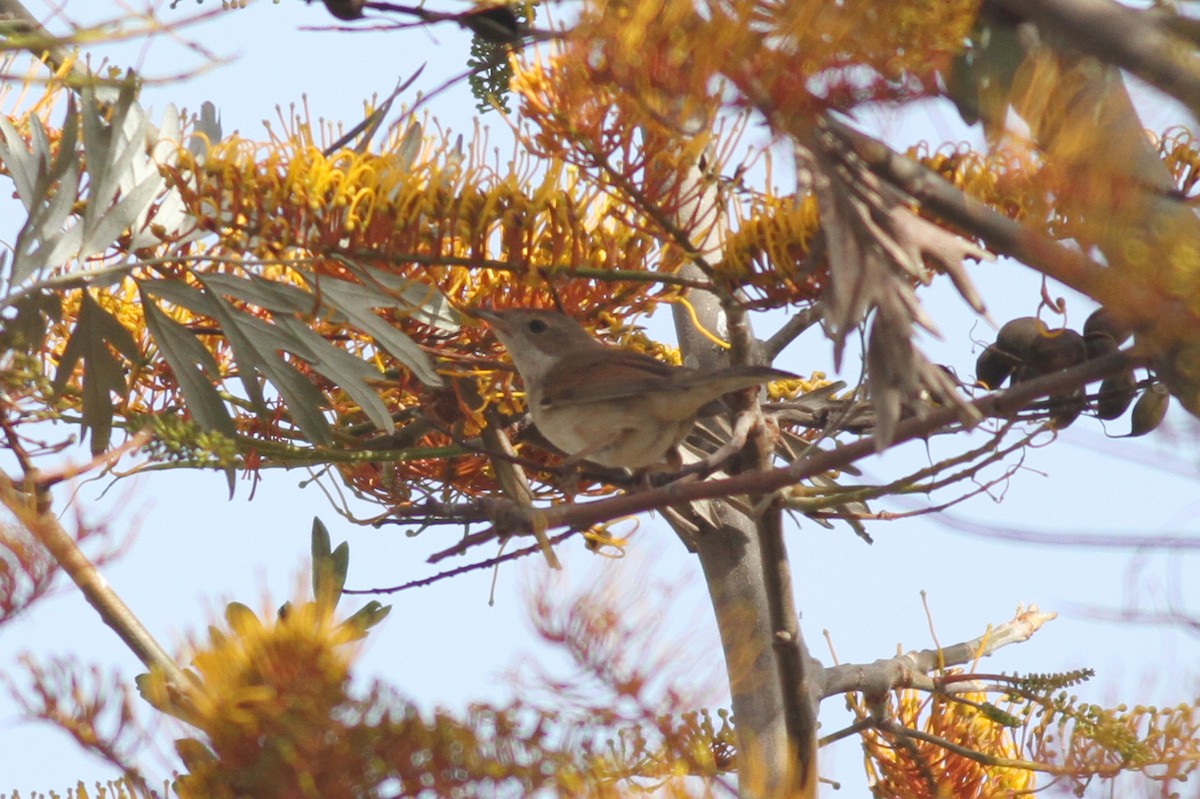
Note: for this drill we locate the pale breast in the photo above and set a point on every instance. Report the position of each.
(607, 434)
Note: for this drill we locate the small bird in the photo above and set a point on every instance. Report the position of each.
(606, 405)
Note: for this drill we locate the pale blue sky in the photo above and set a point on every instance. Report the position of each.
(193, 550)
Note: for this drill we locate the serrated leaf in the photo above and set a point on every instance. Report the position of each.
(184, 354)
(272, 337)
(347, 371)
(45, 239)
(117, 218)
(245, 354)
(394, 341)
(97, 135)
(167, 137)
(344, 369)
(208, 123)
(22, 165)
(357, 302)
(422, 301)
(139, 135)
(39, 141)
(169, 217)
(109, 153)
(269, 294)
(115, 154)
(181, 294)
(254, 344)
(122, 186)
(47, 227)
(103, 374)
(301, 397)
(114, 332)
(26, 330)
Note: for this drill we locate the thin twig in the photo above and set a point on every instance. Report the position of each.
(483, 564)
(796, 324)
(592, 273)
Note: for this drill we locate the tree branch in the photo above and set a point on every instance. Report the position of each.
(589, 272)
(1136, 40)
(25, 27)
(45, 527)
(741, 553)
(911, 670)
(1007, 237)
(1002, 404)
(796, 324)
(798, 692)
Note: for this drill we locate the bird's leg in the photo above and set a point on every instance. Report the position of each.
(653, 477)
(738, 435)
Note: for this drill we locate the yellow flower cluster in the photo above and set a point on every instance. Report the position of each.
(782, 57)
(907, 768)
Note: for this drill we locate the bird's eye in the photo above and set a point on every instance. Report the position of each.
(537, 326)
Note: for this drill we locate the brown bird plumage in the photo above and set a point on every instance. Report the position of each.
(607, 405)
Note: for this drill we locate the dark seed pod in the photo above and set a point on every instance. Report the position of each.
(1116, 393)
(345, 9)
(994, 366)
(1150, 410)
(1099, 344)
(498, 24)
(1018, 336)
(1102, 321)
(1065, 408)
(1051, 352)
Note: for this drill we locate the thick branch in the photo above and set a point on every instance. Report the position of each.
(912, 670)
(1136, 40)
(1007, 237)
(25, 27)
(742, 555)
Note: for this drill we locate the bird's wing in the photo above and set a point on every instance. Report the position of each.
(612, 374)
(733, 378)
(633, 374)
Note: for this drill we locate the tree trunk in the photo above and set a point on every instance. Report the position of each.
(728, 542)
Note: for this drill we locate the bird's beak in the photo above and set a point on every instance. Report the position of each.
(494, 319)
